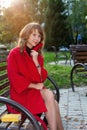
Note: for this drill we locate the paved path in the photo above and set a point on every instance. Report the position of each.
(73, 108)
(62, 63)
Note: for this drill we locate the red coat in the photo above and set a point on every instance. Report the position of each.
(21, 72)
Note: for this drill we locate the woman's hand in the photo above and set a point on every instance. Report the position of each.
(34, 55)
(36, 86)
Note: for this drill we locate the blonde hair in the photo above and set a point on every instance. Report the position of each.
(26, 31)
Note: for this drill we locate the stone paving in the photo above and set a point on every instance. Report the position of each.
(62, 63)
(73, 108)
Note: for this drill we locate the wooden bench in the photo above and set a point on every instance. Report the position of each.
(79, 57)
(28, 121)
(59, 55)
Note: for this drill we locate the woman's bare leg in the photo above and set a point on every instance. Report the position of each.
(59, 121)
(53, 118)
(51, 112)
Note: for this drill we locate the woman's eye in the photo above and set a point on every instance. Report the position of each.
(34, 34)
(39, 36)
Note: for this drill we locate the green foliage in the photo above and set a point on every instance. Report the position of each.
(13, 19)
(18, 15)
(22, 12)
(77, 18)
(61, 73)
(62, 19)
(56, 26)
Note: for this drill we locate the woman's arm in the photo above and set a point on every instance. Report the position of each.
(36, 86)
(18, 81)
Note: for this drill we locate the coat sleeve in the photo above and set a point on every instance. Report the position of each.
(17, 81)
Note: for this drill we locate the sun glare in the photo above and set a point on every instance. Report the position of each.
(5, 3)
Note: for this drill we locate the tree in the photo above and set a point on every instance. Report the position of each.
(56, 27)
(14, 18)
(19, 14)
(50, 12)
(77, 18)
(37, 9)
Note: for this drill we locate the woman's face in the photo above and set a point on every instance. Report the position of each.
(34, 38)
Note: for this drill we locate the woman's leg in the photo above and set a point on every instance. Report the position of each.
(59, 121)
(52, 115)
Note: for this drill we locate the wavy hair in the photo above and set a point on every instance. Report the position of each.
(26, 31)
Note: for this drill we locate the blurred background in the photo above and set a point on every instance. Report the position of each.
(64, 21)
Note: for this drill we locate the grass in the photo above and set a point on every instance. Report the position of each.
(60, 73)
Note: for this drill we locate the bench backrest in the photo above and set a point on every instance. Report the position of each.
(4, 82)
(79, 53)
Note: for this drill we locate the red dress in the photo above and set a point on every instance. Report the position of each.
(21, 72)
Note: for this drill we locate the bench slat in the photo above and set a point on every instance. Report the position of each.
(14, 126)
(3, 125)
(4, 85)
(5, 94)
(3, 67)
(4, 76)
(27, 126)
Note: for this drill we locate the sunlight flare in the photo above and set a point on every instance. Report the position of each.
(5, 3)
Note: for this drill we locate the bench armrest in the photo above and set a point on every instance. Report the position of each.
(55, 86)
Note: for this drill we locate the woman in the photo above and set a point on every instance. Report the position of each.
(27, 75)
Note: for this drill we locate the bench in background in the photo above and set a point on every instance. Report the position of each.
(79, 57)
(59, 55)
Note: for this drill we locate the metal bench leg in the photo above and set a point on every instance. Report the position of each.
(71, 79)
(71, 74)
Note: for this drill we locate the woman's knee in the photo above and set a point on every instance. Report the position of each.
(48, 95)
